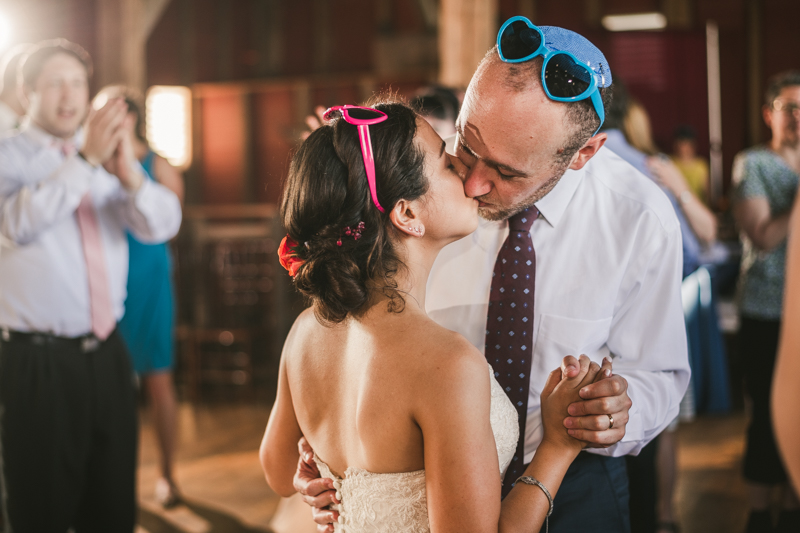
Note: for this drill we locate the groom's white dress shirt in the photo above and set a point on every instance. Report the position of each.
(608, 282)
(43, 276)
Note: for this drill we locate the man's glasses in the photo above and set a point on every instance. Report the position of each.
(363, 118)
(565, 78)
(787, 107)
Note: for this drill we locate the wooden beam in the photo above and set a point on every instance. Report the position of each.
(153, 9)
(527, 8)
(123, 27)
(678, 13)
(467, 30)
(754, 71)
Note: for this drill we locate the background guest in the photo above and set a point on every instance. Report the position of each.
(439, 106)
(766, 180)
(693, 167)
(12, 108)
(67, 197)
(149, 321)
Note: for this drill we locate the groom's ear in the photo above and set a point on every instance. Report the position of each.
(405, 218)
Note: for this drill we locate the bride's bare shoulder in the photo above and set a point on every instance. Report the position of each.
(306, 330)
(438, 348)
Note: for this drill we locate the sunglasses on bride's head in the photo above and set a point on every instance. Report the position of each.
(565, 78)
(363, 118)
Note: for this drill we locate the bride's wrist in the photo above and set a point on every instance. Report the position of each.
(564, 446)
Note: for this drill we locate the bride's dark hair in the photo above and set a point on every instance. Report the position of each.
(327, 191)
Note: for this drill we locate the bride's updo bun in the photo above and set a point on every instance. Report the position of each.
(327, 192)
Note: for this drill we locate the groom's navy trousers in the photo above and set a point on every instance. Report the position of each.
(593, 497)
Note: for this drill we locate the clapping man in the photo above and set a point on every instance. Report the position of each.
(67, 405)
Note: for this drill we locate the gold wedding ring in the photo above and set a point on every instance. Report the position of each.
(610, 421)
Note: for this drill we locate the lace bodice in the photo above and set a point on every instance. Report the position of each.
(377, 503)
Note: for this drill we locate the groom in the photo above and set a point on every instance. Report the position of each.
(603, 246)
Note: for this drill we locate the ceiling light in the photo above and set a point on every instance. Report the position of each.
(634, 22)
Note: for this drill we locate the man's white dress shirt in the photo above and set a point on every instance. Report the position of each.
(43, 279)
(9, 120)
(608, 282)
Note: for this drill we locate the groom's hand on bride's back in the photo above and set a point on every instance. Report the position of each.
(318, 492)
(604, 400)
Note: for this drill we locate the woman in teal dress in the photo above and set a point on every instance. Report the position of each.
(149, 322)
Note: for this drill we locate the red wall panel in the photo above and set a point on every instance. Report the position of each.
(224, 147)
(275, 138)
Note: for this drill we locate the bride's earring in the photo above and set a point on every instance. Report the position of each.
(418, 231)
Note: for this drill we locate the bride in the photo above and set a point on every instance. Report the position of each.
(404, 415)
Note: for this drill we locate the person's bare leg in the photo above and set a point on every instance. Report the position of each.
(665, 477)
(161, 392)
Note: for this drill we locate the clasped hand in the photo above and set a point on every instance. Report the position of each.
(107, 142)
(602, 401)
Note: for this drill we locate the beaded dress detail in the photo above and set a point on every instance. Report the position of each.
(377, 503)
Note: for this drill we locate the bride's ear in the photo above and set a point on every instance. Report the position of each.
(405, 218)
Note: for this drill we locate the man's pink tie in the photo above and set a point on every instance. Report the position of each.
(102, 310)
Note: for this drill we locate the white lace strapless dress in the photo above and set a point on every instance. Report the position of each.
(393, 503)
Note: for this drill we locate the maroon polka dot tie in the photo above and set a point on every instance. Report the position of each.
(509, 325)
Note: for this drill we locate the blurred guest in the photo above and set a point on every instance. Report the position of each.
(693, 167)
(67, 196)
(785, 391)
(639, 133)
(11, 107)
(766, 179)
(439, 106)
(618, 143)
(149, 321)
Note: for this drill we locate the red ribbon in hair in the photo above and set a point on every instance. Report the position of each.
(289, 260)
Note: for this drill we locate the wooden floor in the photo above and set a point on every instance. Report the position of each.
(225, 492)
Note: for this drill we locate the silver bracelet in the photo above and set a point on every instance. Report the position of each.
(528, 480)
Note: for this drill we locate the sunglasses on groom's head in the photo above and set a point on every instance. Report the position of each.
(565, 78)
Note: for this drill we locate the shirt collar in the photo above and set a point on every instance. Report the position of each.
(551, 208)
(554, 203)
(42, 138)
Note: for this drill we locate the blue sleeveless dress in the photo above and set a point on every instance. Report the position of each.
(149, 321)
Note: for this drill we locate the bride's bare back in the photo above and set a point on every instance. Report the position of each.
(355, 386)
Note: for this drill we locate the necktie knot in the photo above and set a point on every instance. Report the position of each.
(65, 147)
(523, 220)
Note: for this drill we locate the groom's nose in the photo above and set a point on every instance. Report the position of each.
(479, 180)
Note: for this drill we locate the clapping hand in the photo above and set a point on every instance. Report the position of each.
(108, 143)
(314, 122)
(102, 131)
(122, 162)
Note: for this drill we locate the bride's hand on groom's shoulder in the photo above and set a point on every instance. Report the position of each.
(561, 390)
